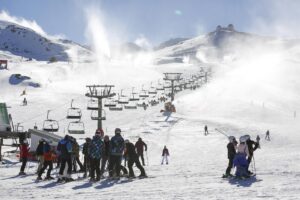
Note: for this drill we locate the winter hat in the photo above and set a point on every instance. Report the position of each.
(243, 139)
(126, 141)
(117, 131)
(231, 138)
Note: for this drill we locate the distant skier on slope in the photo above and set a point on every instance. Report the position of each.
(205, 130)
(165, 155)
(231, 151)
(267, 135)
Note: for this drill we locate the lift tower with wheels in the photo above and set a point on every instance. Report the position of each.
(100, 92)
(172, 77)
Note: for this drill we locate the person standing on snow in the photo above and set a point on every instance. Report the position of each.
(133, 158)
(40, 154)
(85, 152)
(240, 159)
(48, 161)
(165, 155)
(231, 149)
(105, 154)
(267, 135)
(95, 151)
(252, 146)
(205, 130)
(116, 152)
(24, 154)
(64, 148)
(139, 145)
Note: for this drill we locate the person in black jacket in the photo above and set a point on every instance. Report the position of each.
(133, 158)
(231, 149)
(105, 155)
(40, 154)
(85, 152)
(252, 146)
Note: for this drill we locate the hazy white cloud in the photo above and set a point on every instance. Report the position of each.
(143, 42)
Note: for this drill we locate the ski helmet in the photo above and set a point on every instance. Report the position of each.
(243, 139)
(231, 138)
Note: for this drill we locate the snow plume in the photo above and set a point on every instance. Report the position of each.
(259, 85)
(5, 16)
(143, 42)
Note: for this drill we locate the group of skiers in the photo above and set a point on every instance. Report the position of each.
(240, 155)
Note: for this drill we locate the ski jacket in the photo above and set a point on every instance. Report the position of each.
(48, 154)
(96, 147)
(231, 149)
(75, 148)
(64, 148)
(165, 152)
(252, 146)
(243, 149)
(139, 145)
(130, 152)
(39, 149)
(24, 151)
(116, 145)
(85, 148)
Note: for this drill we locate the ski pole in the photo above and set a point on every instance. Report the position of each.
(221, 132)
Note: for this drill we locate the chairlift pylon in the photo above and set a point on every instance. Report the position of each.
(50, 125)
(74, 113)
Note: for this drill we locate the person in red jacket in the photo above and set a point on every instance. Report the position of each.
(165, 155)
(139, 146)
(24, 154)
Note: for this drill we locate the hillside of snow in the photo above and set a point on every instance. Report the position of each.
(27, 43)
(253, 87)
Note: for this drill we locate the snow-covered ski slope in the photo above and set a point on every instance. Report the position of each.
(252, 89)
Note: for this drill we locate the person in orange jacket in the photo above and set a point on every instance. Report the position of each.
(48, 161)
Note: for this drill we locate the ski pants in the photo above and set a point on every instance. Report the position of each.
(41, 162)
(63, 165)
(142, 157)
(95, 167)
(135, 160)
(75, 162)
(24, 162)
(46, 164)
(104, 160)
(86, 164)
(114, 163)
(165, 157)
(230, 165)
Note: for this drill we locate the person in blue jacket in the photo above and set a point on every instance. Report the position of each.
(95, 153)
(64, 148)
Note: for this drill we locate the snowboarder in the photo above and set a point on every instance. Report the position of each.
(105, 154)
(116, 152)
(24, 154)
(267, 135)
(95, 152)
(205, 130)
(139, 145)
(240, 161)
(85, 152)
(133, 158)
(48, 161)
(231, 151)
(64, 148)
(165, 155)
(252, 146)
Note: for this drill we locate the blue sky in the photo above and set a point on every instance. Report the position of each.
(158, 20)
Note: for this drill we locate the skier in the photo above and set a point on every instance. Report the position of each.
(205, 130)
(231, 149)
(139, 145)
(95, 152)
(165, 155)
(252, 146)
(48, 161)
(75, 156)
(267, 135)
(133, 158)
(240, 161)
(64, 148)
(24, 154)
(40, 154)
(24, 102)
(105, 155)
(85, 152)
(257, 140)
(116, 152)
(144, 106)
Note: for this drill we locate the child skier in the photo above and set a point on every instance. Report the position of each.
(165, 155)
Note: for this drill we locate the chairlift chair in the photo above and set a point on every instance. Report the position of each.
(143, 94)
(117, 108)
(133, 98)
(76, 127)
(92, 104)
(110, 103)
(94, 115)
(123, 100)
(74, 113)
(152, 90)
(50, 125)
(130, 106)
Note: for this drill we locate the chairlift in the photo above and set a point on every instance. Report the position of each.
(131, 106)
(143, 93)
(152, 90)
(117, 108)
(74, 113)
(94, 115)
(19, 128)
(92, 104)
(133, 98)
(76, 127)
(50, 125)
(110, 103)
(123, 100)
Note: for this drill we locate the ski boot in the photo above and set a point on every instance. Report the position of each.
(39, 178)
(49, 178)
